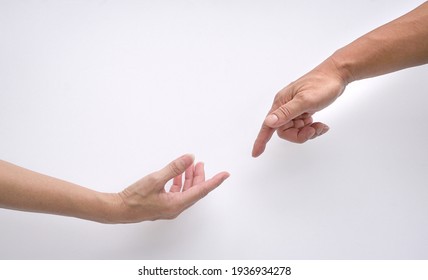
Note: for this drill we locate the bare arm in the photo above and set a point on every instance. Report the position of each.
(399, 44)
(147, 199)
(25, 190)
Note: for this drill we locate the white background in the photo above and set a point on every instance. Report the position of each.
(101, 93)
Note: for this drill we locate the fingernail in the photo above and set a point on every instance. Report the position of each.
(325, 129)
(271, 119)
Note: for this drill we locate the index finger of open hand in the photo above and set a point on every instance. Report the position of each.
(200, 190)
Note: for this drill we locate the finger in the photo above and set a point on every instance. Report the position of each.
(199, 173)
(298, 123)
(199, 191)
(320, 129)
(176, 184)
(261, 141)
(307, 120)
(188, 177)
(305, 116)
(263, 137)
(284, 114)
(297, 135)
(174, 168)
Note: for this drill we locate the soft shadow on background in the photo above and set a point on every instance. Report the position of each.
(101, 93)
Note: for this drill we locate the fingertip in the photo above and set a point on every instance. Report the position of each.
(325, 129)
(256, 153)
(220, 177)
(187, 159)
(189, 156)
(258, 149)
(194, 194)
(265, 134)
(199, 172)
(175, 168)
(225, 175)
(320, 129)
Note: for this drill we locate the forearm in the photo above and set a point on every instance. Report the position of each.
(399, 44)
(25, 190)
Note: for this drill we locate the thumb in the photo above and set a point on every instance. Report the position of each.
(175, 168)
(284, 114)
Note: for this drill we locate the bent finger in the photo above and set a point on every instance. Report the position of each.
(320, 129)
(174, 168)
(297, 135)
(188, 177)
(199, 173)
(176, 184)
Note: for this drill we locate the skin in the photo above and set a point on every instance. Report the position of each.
(399, 44)
(145, 200)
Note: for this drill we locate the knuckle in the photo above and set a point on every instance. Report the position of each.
(284, 111)
(203, 192)
(298, 123)
(290, 136)
(153, 179)
(307, 100)
(174, 168)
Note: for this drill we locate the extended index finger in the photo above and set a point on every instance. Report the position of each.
(265, 134)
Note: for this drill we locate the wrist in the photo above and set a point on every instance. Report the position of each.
(338, 66)
(109, 208)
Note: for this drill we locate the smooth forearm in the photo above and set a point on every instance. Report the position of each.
(399, 44)
(25, 190)
(145, 200)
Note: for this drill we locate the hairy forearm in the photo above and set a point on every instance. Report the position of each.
(25, 190)
(399, 44)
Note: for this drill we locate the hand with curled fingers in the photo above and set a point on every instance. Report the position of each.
(293, 108)
(393, 46)
(147, 199)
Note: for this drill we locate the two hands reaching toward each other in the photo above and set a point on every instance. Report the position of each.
(147, 199)
(397, 45)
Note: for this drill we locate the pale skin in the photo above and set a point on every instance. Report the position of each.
(399, 44)
(145, 200)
